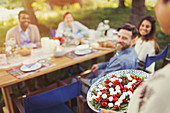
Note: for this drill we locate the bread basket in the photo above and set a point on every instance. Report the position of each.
(24, 51)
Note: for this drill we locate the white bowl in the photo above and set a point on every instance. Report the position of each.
(82, 47)
(59, 53)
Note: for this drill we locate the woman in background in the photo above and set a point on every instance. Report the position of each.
(72, 28)
(146, 42)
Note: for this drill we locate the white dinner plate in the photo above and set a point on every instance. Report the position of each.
(139, 73)
(32, 68)
(82, 52)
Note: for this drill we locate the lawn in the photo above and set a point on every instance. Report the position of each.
(90, 18)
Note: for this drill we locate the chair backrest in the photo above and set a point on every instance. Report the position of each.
(150, 59)
(53, 32)
(52, 98)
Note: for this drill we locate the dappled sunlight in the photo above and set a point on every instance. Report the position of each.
(150, 3)
(50, 17)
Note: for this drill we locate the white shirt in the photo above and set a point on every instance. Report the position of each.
(142, 49)
(24, 36)
(78, 30)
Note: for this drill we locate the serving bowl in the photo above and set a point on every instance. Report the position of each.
(24, 51)
(59, 53)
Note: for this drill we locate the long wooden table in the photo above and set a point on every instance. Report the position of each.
(7, 80)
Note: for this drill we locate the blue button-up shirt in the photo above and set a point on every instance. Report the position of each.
(124, 59)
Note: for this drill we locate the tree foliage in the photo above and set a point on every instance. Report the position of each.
(10, 4)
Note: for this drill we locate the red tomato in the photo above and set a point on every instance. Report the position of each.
(130, 89)
(106, 85)
(123, 83)
(118, 94)
(106, 99)
(107, 81)
(115, 99)
(113, 96)
(113, 76)
(125, 100)
(123, 90)
(107, 89)
(121, 87)
(104, 104)
(96, 93)
(103, 92)
(136, 78)
(98, 100)
(108, 94)
(116, 107)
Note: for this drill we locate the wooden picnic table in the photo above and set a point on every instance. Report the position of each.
(7, 80)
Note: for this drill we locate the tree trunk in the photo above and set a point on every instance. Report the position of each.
(27, 4)
(137, 12)
(122, 3)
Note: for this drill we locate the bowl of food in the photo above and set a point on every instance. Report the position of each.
(59, 52)
(24, 51)
(114, 90)
(83, 47)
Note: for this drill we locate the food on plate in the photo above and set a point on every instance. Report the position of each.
(76, 41)
(107, 44)
(24, 51)
(95, 45)
(30, 61)
(114, 93)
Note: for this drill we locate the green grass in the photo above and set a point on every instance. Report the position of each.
(90, 18)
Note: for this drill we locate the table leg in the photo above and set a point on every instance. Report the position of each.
(6, 91)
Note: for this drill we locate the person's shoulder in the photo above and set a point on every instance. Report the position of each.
(76, 22)
(62, 23)
(164, 71)
(148, 44)
(33, 26)
(13, 29)
(129, 55)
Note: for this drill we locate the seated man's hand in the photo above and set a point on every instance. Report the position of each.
(107, 111)
(94, 68)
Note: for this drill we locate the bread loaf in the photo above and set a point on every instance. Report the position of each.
(107, 44)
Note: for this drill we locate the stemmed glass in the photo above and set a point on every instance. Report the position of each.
(11, 46)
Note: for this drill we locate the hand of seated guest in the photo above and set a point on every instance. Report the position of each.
(94, 68)
(107, 111)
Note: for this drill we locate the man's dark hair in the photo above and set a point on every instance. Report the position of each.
(129, 27)
(22, 12)
(165, 1)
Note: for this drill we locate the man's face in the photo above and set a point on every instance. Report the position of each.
(162, 11)
(68, 18)
(124, 39)
(24, 20)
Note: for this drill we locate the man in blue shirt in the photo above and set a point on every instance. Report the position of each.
(125, 58)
